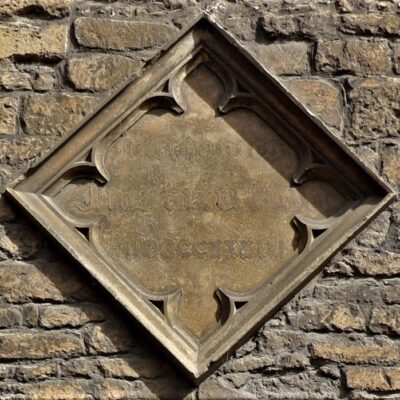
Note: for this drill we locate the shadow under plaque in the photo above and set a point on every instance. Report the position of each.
(202, 196)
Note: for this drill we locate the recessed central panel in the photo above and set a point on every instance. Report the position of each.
(199, 202)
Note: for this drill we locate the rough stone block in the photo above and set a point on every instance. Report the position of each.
(24, 149)
(385, 319)
(36, 371)
(13, 80)
(58, 389)
(354, 352)
(374, 263)
(37, 345)
(22, 282)
(303, 24)
(108, 338)
(374, 109)
(319, 316)
(373, 379)
(54, 8)
(10, 317)
(289, 58)
(119, 34)
(391, 162)
(37, 40)
(61, 316)
(48, 114)
(101, 71)
(8, 115)
(371, 24)
(320, 97)
(356, 56)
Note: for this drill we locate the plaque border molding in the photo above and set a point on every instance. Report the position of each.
(78, 155)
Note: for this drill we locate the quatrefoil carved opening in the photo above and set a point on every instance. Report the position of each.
(202, 196)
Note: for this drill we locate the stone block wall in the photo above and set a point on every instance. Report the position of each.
(63, 337)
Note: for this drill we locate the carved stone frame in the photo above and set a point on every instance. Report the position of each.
(338, 163)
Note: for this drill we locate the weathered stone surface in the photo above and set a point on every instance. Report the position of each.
(385, 319)
(356, 291)
(61, 316)
(374, 263)
(108, 338)
(21, 282)
(290, 58)
(22, 345)
(81, 367)
(390, 162)
(374, 379)
(307, 24)
(371, 24)
(8, 114)
(214, 388)
(375, 234)
(47, 114)
(357, 56)
(27, 40)
(44, 80)
(24, 149)
(355, 352)
(36, 371)
(131, 367)
(320, 97)
(391, 292)
(20, 241)
(114, 389)
(319, 316)
(30, 314)
(101, 71)
(295, 386)
(13, 80)
(55, 8)
(10, 317)
(374, 109)
(119, 34)
(58, 389)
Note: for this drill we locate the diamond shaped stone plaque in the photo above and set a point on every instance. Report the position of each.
(202, 196)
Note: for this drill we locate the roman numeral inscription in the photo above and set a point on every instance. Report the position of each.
(199, 201)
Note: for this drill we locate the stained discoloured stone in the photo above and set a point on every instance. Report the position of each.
(289, 58)
(56, 114)
(27, 40)
(8, 115)
(119, 34)
(101, 71)
(19, 345)
(355, 56)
